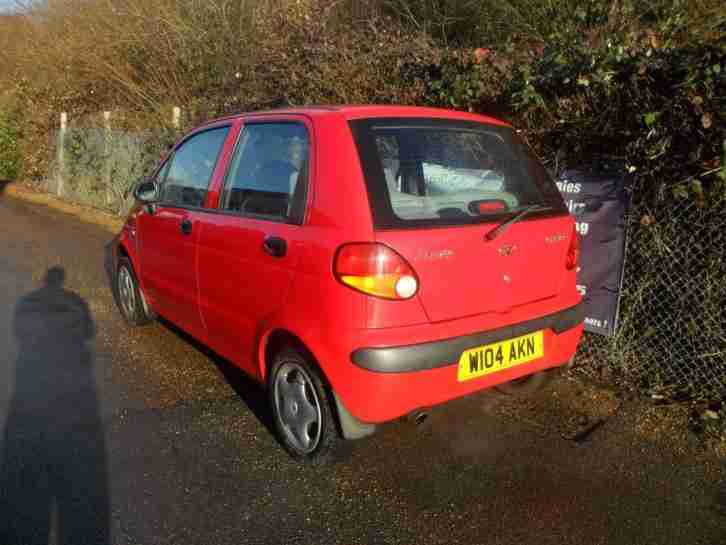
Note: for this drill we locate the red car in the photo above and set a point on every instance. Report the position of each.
(362, 262)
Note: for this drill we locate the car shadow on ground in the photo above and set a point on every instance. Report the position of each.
(253, 395)
(251, 392)
(53, 468)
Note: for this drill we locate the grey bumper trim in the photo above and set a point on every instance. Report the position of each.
(430, 355)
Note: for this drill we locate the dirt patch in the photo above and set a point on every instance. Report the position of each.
(575, 410)
(87, 214)
(568, 407)
(664, 424)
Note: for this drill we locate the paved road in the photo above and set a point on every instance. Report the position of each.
(113, 435)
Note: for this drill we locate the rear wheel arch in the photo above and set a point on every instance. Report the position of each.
(276, 340)
(347, 426)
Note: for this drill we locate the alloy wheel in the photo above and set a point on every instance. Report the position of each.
(297, 407)
(126, 292)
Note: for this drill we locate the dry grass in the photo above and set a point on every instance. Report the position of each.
(84, 213)
(139, 55)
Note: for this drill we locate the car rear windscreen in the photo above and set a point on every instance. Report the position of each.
(427, 172)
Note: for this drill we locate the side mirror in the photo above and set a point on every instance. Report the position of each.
(146, 192)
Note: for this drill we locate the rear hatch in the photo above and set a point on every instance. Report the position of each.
(470, 208)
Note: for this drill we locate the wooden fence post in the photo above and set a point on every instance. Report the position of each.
(61, 153)
(176, 117)
(107, 156)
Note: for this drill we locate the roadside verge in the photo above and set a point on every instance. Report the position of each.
(87, 214)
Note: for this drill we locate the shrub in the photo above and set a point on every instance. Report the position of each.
(10, 157)
(642, 96)
(310, 53)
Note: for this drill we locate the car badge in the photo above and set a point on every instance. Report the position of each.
(436, 255)
(554, 239)
(507, 249)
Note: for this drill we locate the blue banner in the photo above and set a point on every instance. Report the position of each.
(599, 201)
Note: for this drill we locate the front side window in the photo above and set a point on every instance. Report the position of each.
(433, 172)
(268, 173)
(190, 169)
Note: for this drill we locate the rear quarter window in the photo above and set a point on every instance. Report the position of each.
(427, 172)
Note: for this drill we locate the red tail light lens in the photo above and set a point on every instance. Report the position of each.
(573, 252)
(375, 269)
(486, 207)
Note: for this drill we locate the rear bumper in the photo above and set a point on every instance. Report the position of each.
(430, 355)
(391, 380)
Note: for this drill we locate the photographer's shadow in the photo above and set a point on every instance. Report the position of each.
(53, 481)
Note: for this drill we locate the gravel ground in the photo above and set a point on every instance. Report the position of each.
(116, 435)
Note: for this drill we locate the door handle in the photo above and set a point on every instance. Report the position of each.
(186, 226)
(275, 246)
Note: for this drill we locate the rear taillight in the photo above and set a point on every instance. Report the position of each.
(573, 252)
(375, 269)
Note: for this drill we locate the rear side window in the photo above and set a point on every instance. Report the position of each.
(437, 172)
(189, 171)
(268, 173)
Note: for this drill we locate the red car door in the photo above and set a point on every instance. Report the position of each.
(249, 249)
(168, 231)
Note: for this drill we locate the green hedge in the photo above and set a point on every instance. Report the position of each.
(658, 107)
(10, 156)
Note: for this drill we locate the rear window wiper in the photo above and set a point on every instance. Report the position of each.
(499, 229)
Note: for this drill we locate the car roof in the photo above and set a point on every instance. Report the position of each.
(367, 111)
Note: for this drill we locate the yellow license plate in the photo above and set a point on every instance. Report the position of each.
(492, 358)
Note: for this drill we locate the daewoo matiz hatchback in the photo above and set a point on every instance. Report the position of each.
(363, 263)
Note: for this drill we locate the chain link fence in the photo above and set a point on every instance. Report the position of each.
(98, 166)
(671, 339)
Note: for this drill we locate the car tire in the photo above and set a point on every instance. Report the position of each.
(128, 296)
(301, 407)
(529, 385)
